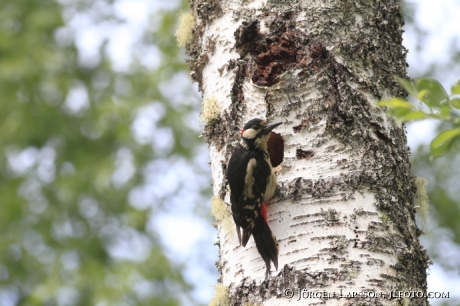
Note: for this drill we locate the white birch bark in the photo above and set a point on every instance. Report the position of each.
(343, 213)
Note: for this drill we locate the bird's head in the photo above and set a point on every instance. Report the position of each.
(256, 132)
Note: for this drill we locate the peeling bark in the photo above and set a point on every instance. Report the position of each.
(344, 208)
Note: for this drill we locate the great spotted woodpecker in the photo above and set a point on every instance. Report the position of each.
(252, 183)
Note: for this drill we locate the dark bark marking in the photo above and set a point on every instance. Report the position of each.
(240, 75)
(274, 53)
(301, 154)
(198, 56)
(208, 10)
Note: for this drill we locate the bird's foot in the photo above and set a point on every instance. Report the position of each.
(267, 274)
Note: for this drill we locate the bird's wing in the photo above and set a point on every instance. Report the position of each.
(255, 184)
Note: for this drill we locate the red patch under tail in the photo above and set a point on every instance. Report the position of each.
(263, 212)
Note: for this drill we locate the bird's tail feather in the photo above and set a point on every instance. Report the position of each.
(266, 243)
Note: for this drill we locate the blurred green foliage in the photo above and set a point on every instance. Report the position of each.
(443, 191)
(69, 160)
(432, 102)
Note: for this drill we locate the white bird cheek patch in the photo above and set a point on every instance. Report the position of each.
(250, 134)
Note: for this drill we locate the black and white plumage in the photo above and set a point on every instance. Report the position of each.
(252, 183)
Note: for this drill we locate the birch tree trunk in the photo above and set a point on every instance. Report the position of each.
(344, 209)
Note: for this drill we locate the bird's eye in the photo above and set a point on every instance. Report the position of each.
(256, 127)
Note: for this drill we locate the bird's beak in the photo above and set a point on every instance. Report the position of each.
(270, 127)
